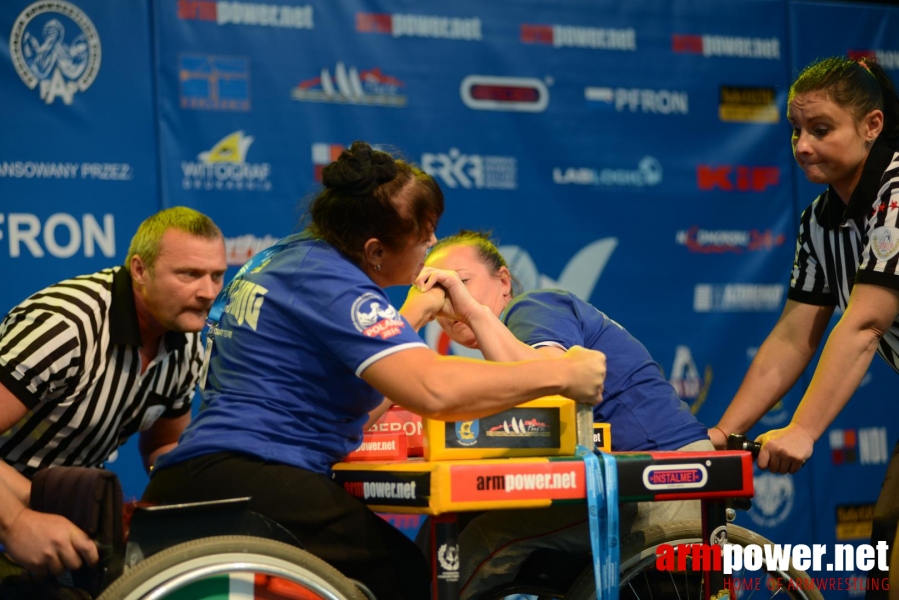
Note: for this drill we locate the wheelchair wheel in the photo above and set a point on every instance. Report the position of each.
(213, 567)
(640, 579)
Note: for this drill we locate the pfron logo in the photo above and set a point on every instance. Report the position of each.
(736, 297)
(349, 86)
(224, 167)
(736, 178)
(719, 241)
(773, 500)
(690, 386)
(322, 156)
(486, 92)
(246, 13)
(373, 317)
(731, 47)
(55, 44)
(455, 169)
(593, 38)
(214, 82)
(426, 26)
(888, 59)
(658, 102)
(240, 249)
(647, 174)
(62, 234)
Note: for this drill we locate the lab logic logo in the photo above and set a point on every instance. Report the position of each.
(736, 241)
(579, 277)
(647, 174)
(240, 249)
(350, 86)
(55, 44)
(224, 167)
(322, 156)
(657, 102)
(592, 38)
(468, 171)
(467, 432)
(425, 26)
(774, 498)
(748, 104)
(208, 82)
(689, 385)
(711, 46)
(246, 13)
(371, 319)
(867, 446)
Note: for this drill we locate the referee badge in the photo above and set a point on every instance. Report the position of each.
(885, 242)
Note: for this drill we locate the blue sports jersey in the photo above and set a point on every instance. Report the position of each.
(283, 380)
(643, 408)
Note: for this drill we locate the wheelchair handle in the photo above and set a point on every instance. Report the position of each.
(736, 441)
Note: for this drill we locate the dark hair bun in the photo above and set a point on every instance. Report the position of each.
(359, 170)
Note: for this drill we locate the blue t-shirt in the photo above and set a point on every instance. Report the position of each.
(283, 380)
(643, 408)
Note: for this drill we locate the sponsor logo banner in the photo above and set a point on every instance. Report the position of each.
(748, 104)
(737, 297)
(455, 169)
(513, 428)
(351, 86)
(719, 241)
(207, 82)
(726, 46)
(246, 13)
(562, 480)
(224, 167)
(854, 521)
(675, 477)
(592, 38)
(660, 102)
(488, 92)
(425, 26)
(391, 489)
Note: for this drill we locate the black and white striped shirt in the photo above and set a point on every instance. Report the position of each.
(70, 354)
(840, 245)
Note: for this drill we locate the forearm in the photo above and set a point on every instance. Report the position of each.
(15, 482)
(844, 362)
(11, 506)
(496, 342)
(774, 370)
(452, 388)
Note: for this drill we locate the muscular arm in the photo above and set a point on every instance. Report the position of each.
(776, 367)
(160, 438)
(451, 388)
(39, 542)
(846, 357)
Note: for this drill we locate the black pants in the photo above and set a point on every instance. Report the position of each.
(886, 515)
(329, 522)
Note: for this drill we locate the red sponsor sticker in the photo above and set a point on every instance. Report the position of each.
(561, 480)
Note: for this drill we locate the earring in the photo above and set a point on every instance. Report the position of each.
(377, 267)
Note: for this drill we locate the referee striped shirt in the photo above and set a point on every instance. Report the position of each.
(840, 245)
(70, 354)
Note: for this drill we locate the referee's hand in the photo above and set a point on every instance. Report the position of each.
(48, 544)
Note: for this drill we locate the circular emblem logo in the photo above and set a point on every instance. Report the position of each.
(885, 242)
(774, 496)
(369, 309)
(54, 44)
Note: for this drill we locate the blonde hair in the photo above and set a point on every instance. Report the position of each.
(146, 241)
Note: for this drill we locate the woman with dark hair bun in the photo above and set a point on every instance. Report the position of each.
(308, 344)
(845, 119)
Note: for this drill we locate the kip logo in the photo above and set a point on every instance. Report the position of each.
(593, 38)
(727, 46)
(579, 277)
(55, 44)
(719, 241)
(371, 319)
(350, 86)
(214, 82)
(488, 92)
(675, 477)
(426, 26)
(322, 156)
(888, 59)
(224, 167)
(246, 13)
(736, 178)
(467, 432)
